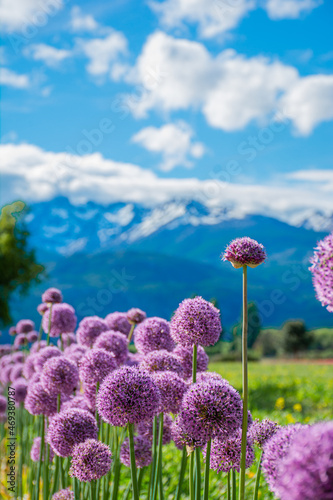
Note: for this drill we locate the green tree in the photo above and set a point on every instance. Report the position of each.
(295, 337)
(18, 265)
(254, 326)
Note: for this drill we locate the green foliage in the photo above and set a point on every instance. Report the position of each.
(18, 264)
(269, 342)
(295, 337)
(322, 339)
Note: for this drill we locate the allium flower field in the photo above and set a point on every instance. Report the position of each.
(84, 417)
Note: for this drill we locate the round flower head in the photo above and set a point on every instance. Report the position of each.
(114, 342)
(78, 401)
(226, 453)
(52, 296)
(275, 450)
(306, 473)
(5, 349)
(262, 431)
(172, 389)
(59, 375)
(244, 252)
(89, 329)
(20, 387)
(12, 330)
(153, 334)
(185, 355)
(35, 450)
(118, 322)
(5, 373)
(196, 321)
(42, 308)
(66, 494)
(67, 339)
(128, 396)
(181, 438)
(95, 365)
(38, 401)
(18, 357)
(38, 346)
(63, 319)
(75, 352)
(32, 337)
(211, 409)
(16, 372)
(208, 376)
(145, 429)
(3, 404)
(44, 355)
(322, 271)
(29, 366)
(91, 460)
(161, 361)
(142, 452)
(134, 359)
(135, 316)
(71, 427)
(25, 326)
(20, 340)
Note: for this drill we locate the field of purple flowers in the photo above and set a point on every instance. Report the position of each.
(83, 417)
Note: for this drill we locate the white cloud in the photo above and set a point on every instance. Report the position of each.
(12, 79)
(82, 22)
(103, 52)
(309, 102)
(51, 56)
(290, 9)
(173, 141)
(32, 174)
(213, 17)
(16, 14)
(229, 89)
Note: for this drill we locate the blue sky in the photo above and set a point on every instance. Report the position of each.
(231, 90)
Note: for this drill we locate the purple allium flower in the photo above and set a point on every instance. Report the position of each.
(12, 330)
(5, 349)
(78, 401)
(16, 372)
(29, 366)
(35, 450)
(181, 437)
(25, 326)
(226, 453)
(20, 340)
(3, 418)
(71, 427)
(262, 431)
(90, 393)
(185, 355)
(146, 429)
(38, 346)
(142, 452)
(114, 342)
(128, 396)
(35, 378)
(118, 322)
(67, 340)
(18, 357)
(90, 460)
(44, 355)
(20, 386)
(59, 375)
(135, 316)
(52, 296)
(75, 352)
(211, 409)
(42, 308)
(275, 449)
(134, 359)
(322, 272)
(63, 319)
(244, 252)
(207, 377)
(95, 365)
(89, 329)
(5, 373)
(172, 389)
(3, 404)
(66, 494)
(153, 334)
(196, 321)
(38, 401)
(161, 361)
(32, 337)
(306, 472)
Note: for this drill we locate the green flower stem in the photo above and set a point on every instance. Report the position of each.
(39, 470)
(194, 364)
(140, 477)
(207, 469)
(49, 326)
(46, 472)
(197, 451)
(257, 483)
(228, 486)
(197, 474)
(245, 388)
(159, 456)
(181, 473)
(21, 427)
(191, 483)
(40, 333)
(62, 342)
(153, 465)
(130, 335)
(93, 490)
(234, 486)
(133, 466)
